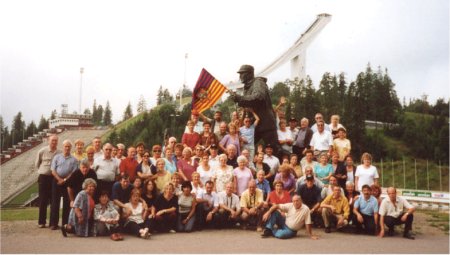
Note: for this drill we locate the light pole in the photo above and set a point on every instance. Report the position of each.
(184, 79)
(81, 85)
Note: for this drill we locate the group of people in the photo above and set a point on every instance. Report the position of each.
(217, 177)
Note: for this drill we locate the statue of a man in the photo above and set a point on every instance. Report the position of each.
(256, 96)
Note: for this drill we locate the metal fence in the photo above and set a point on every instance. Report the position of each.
(413, 174)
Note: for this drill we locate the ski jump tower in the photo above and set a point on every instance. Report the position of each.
(296, 54)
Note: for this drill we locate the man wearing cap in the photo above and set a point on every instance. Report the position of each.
(293, 127)
(256, 95)
(310, 194)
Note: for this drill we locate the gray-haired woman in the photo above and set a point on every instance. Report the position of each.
(81, 215)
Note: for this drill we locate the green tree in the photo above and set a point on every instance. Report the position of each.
(53, 115)
(18, 128)
(167, 97)
(128, 113)
(142, 105)
(99, 117)
(280, 89)
(107, 116)
(43, 123)
(159, 96)
(31, 129)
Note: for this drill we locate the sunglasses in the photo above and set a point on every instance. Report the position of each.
(157, 151)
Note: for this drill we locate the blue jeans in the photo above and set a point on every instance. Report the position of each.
(189, 225)
(283, 232)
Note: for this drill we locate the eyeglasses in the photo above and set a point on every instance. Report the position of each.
(108, 149)
(146, 156)
(157, 151)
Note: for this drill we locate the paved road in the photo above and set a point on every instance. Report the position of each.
(25, 237)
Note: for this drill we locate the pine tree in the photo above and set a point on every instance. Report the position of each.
(128, 113)
(18, 128)
(107, 116)
(31, 129)
(159, 96)
(99, 118)
(167, 97)
(142, 104)
(94, 113)
(43, 123)
(53, 115)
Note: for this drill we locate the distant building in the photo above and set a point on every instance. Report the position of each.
(65, 119)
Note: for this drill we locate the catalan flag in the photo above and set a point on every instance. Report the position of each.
(206, 92)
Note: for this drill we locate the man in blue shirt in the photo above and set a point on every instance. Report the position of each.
(366, 211)
(262, 184)
(62, 167)
(247, 132)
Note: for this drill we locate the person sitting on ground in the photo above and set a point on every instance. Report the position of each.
(311, 197)
(323, 170)
(262, 184)
(366, 173)
(252, 206)
(81, 217)
(75, 182)
(106, 218)
(286, 177)
(335, 208)
(207, 206)
(297, 215)
(366, 211)
(190, 138)
(309, 171)
(186, 208)
(149, 195)
(121, 191)
(135, 214)
(145, 169)
(242, 175)
(229, 208)
(129, 164)
(392, 212)
(278, 195)
(223, 174)
(166, 207)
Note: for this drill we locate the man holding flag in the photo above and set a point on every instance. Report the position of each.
(256, 96)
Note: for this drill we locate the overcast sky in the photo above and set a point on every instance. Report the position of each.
(129, 48)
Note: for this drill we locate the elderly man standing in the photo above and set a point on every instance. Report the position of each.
(335, 207)
(43, 162)
(252, 206)
(297, 215)
(129, 164)
(106, 168)
(97, 144)
(322, 140)
(396, 210)
(63, 165)
(256, 96)
(302, 139)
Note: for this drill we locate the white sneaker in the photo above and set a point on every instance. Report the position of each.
(172, 231)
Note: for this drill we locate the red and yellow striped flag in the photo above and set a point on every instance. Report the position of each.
(206, 92)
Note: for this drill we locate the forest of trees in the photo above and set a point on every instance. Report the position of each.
(371, 96)
(422, 128)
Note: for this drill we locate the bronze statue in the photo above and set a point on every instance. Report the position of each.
(256, 96)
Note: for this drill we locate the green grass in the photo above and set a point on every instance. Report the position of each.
(28, 213)
(439, 220)
(24, 196)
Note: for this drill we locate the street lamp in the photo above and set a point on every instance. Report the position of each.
(81, 85)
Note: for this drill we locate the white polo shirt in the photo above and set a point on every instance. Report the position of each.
(321, 141)
(387, 208)
(296, 218)
(273, 162)
(106, 169)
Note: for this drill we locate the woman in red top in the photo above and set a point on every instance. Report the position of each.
(190, 138)
(186, 166)
(279, 195)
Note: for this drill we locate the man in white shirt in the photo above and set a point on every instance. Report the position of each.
(319, 117)
(97, 144)
(392, 212)
(213, 156)
(272, 161)
(107, 168)
(229, 208)
(297, 215)
(207, 206)
(321, 141)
